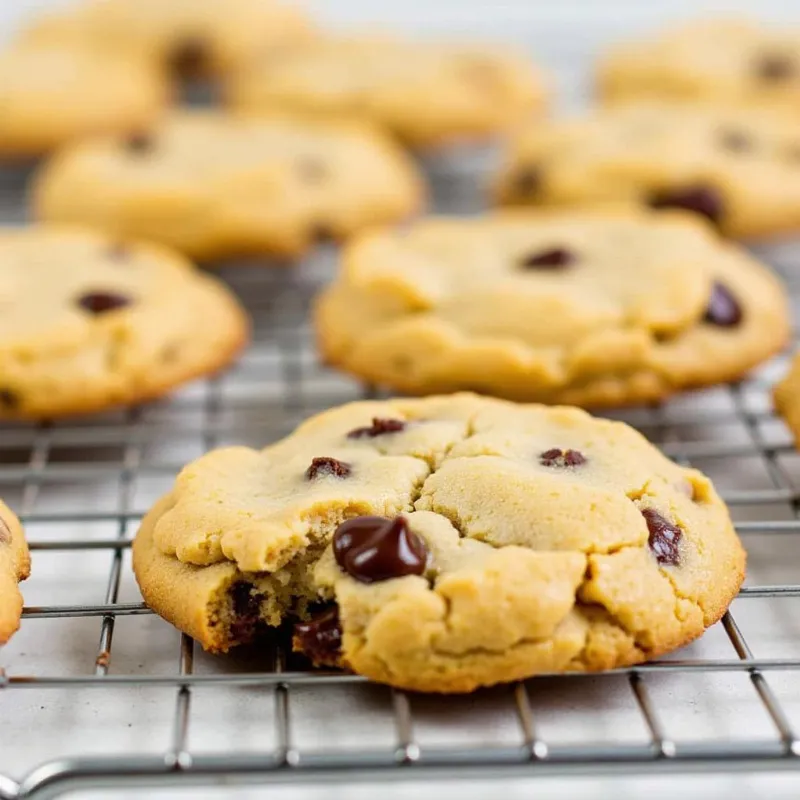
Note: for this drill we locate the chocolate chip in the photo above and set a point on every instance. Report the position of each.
(554, 258)
(379, 427)
(9, 400)
(327, 466)
(700, 199)
(139, 143)
(320, 638)
(775, 67)
(312, 170)
(101, 302)
(735, 141)
(246, 607)
(664, 539)
(376, 549)
(723, 308)
(526, 182)
(188, 57)
(562, 458)
(5, 532)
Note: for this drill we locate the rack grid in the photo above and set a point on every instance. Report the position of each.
(49, 473)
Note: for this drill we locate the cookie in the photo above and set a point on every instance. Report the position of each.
(426, 92)
(188, 38)
(717, 61)
(444, 544)
(15, 566)
(787, 398)
(91, 322)
(54, 93)
(585, 307)
(216, 186)
(738, 168)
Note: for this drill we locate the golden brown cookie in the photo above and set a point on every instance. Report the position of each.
(15, 566)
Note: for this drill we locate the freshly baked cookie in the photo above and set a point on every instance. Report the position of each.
(51, 94)
(15, 566)
(787, 398)
(739, 168)
(426, 92)
(592, 307)
(191, 38)
(727, 61)
(90, 322)
(215, 186)
(444, 544)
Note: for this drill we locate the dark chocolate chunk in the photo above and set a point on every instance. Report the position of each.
(554, 258)
(702, 200)
(9, 400)
(562, 458)
(246, 608)
(664, 539)
(379, 426)
(320, 638)
(723, 308)
(189, 57)
(101, 302)
(775, 67)
(373, 549)
(325, 465)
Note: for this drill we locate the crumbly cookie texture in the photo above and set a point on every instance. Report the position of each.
(91, 322)
(216, 186)
(786, 395)
(190, 38)
(455, 542)
(728, 61)
(426, 92)
(594, 308)
(54, 93)
(740, 168)
(15, 566)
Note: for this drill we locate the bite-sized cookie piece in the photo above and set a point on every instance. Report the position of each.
(191, 38)
(52, 93)
(739, 168)
(215, 186)
(90, 322)
(426, 92)
(15, 566)
(591, 307)
(787, 398)
(444, 544)
(727, 61)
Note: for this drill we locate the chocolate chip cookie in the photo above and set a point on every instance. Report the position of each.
(445, 544)
(53, 93)
(190, 38)
(15, 566)
(787, 398)
(738, 168)
(90, 322)
(716, 61)
(217, 186)
(595, 308)
(426, 92)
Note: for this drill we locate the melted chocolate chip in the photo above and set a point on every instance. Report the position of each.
(664, 539)
(735, 141)
(562, 458)
(327, 466)
(320, 638)
(139, 143)
(700, 199)
(554, 258)
(9, 400)
(378, 428)
(775, 67)
(373, 549)
(246, 607)
(527, 182)
(723, 308)
(102, 302)
(189, 57)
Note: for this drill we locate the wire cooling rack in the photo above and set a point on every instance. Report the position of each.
(96, 691)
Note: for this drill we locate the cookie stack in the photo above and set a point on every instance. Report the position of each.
(477, 535)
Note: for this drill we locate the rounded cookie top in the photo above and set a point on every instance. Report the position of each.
(90, 322)
(729, 61)
(53, 93)
(426, 92)
(739, 168)
(188, 37)
(215, 186)
(584, 307)
(459, 541)
(15, 566)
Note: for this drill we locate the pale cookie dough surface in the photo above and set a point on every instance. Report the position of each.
(15, 566)
(553, 541)
(188, 37)
(89, 322)
(787, 398)
(594, 308)
(52, 94)
(715, 61)
(738, 167)
(216, 186)
(426, 92)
